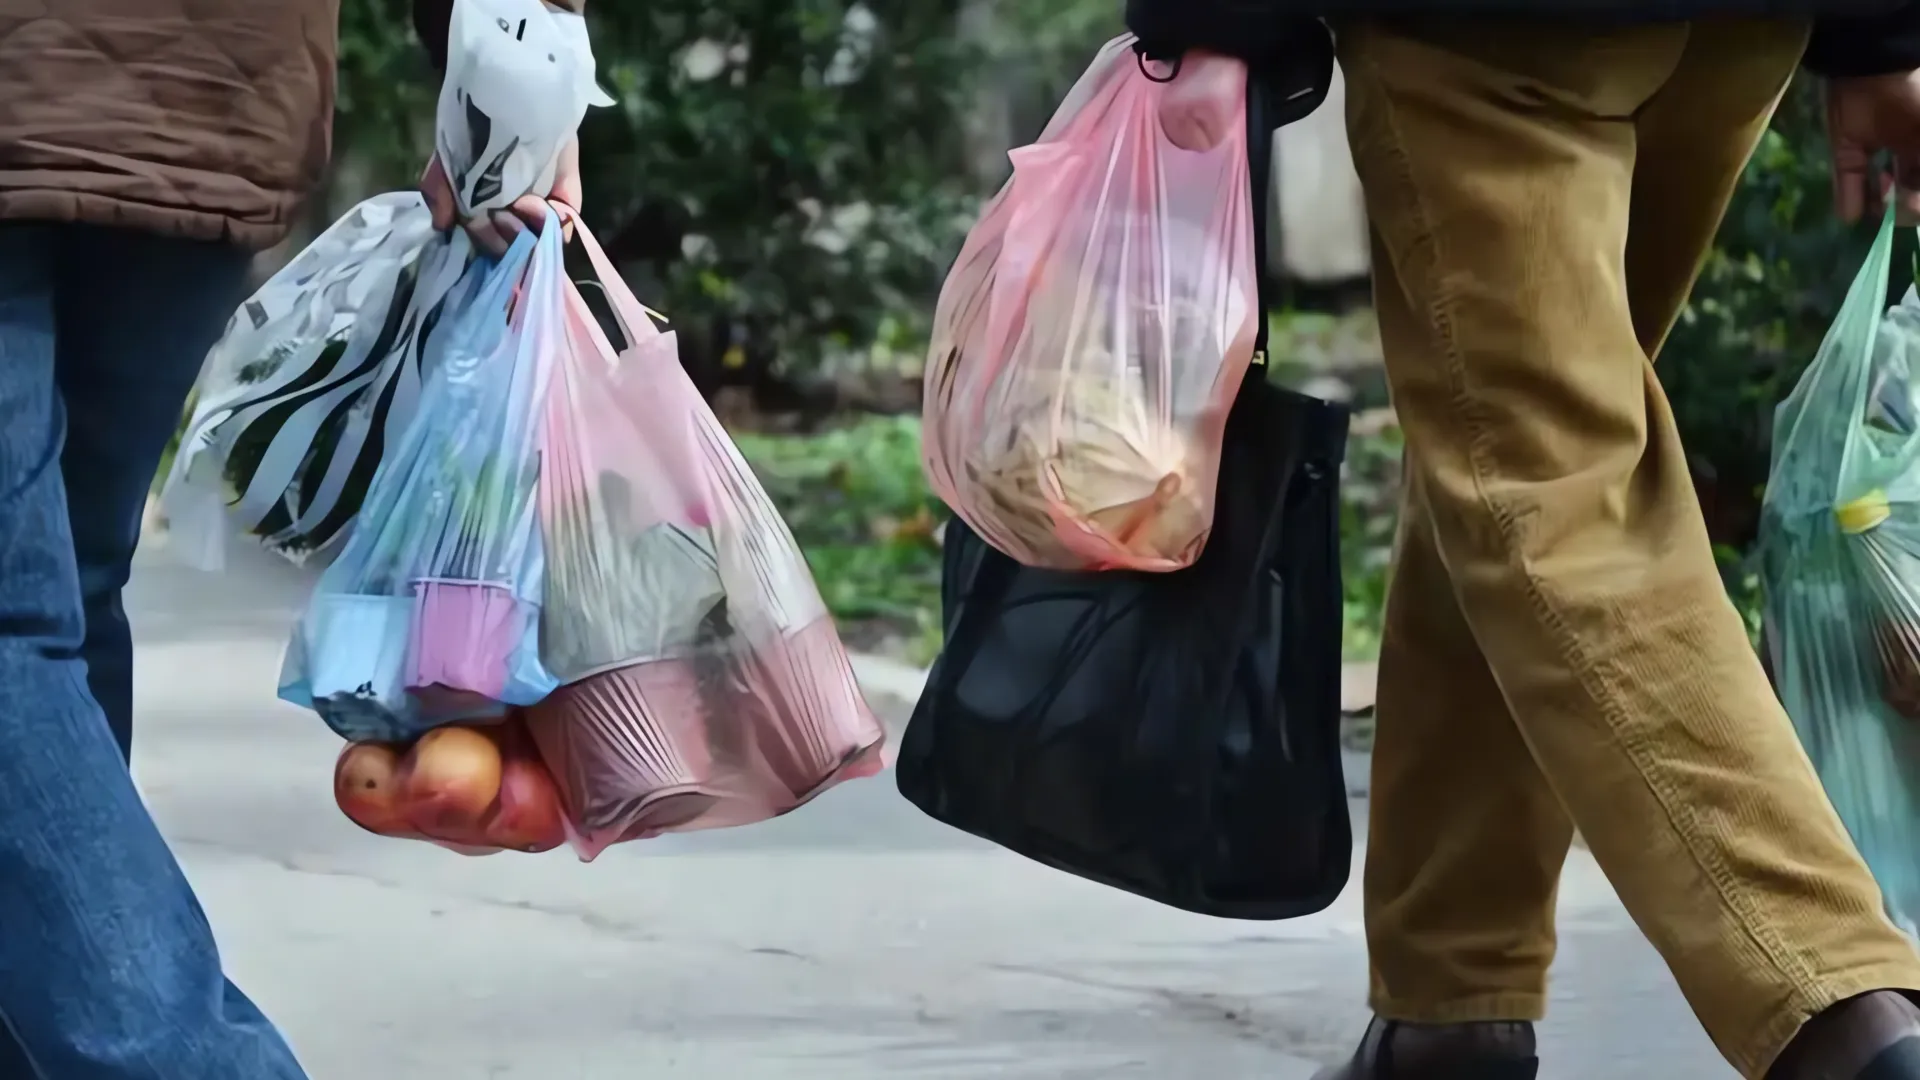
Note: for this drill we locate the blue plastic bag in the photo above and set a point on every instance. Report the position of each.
(431, 613)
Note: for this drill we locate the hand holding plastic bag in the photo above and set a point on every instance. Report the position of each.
(567, 527)
(495, 230)
(1205, 97)
(1090, 338)
(321, 370)
(520, 77)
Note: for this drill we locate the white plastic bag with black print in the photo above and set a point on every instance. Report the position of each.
(314, 374)
(320, 370)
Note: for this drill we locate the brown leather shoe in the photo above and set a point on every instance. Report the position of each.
(1871, 1037)
(1396, 1051)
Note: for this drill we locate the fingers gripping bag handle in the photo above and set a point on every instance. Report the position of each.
(1840, 548)
(1077, 424)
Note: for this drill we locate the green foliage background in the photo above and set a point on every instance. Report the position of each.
(1779, 269)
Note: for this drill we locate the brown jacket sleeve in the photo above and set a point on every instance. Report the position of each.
(431, 17)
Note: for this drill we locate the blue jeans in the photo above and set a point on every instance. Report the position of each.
(108, 970)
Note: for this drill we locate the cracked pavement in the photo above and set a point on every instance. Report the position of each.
(851, 940)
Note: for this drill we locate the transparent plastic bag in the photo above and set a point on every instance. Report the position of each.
(1841, 556)
(1090, 337)
(704, 684)
(315, 373)
(430, 613)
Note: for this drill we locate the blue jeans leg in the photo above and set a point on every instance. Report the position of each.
(134, 315)
(108, 970)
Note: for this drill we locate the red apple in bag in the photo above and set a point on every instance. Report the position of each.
(528, 817)
(367, 783)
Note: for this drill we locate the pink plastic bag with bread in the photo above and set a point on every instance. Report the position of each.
(1091, 335)
(702, 681)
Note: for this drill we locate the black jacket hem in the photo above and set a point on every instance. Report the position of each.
(1866, 45)
(1850, 37)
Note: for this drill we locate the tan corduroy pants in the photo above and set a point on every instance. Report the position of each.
(1559, 649)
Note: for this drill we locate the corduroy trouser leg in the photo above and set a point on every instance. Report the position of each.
(1559, 648)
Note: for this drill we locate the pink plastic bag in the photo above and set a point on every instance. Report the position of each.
(703, 683)
(1091, 336)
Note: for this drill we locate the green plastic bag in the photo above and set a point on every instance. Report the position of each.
(1840, 537)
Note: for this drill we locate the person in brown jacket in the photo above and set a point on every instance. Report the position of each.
(147, 149)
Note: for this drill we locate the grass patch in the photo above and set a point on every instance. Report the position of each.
(1369, 514)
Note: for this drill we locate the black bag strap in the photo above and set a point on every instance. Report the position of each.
(1260, 182)
(1277, 95)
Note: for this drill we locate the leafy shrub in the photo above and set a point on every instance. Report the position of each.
(1369, 506)
(1779, 269)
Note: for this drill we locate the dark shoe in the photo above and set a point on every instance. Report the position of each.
(1397, 1051)
(1871, 1037)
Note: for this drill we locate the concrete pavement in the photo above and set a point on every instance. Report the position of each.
(852, 940)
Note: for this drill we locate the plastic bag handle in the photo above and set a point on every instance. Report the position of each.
(637, 317)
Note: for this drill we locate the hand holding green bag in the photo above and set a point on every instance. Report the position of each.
(1841, 543)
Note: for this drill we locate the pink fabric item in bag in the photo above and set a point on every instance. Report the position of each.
(485, 618)
(1091, 336)
(703, 683)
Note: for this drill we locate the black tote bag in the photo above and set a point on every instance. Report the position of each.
(1174, 735)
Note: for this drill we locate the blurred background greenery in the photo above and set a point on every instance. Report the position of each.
(788, 181)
